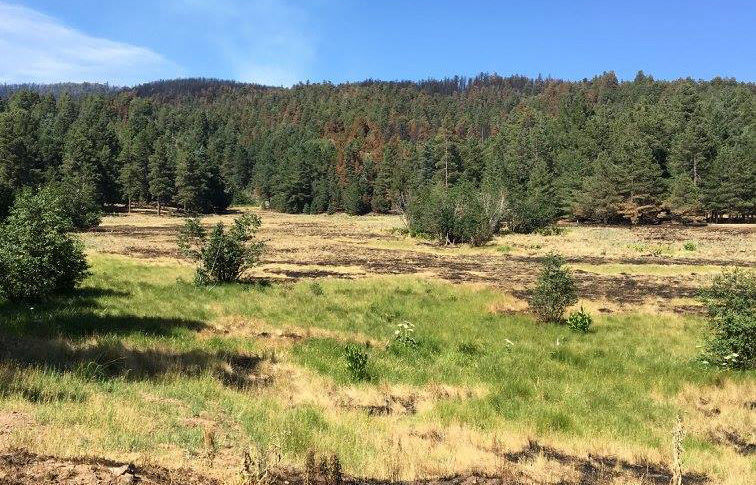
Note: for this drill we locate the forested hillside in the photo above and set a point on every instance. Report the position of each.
(595, 150)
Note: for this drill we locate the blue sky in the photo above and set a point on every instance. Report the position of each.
(282, 42)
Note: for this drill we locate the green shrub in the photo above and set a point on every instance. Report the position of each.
(222, 255)
(580, 321)
(689, 246)
(550, 230)
(316, 288)
(731, 303)
(554, 291)
(357, 362)
(37, 256)
(453, 215)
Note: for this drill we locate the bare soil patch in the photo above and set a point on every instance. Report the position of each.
(20, 467)
(12, 420)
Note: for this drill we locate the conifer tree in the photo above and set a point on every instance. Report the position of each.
(161, 176)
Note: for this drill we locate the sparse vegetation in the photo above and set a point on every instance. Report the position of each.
(554, 291)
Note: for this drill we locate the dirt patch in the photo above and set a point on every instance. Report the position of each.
(603, 469)
(12, 420)
(391, 405)
(731, 438)
(20, 467)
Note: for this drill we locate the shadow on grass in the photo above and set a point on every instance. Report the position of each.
(75, 333)
(109, 358)
(80, 315)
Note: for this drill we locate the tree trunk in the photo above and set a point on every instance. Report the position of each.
(695, 170)
(159, 212)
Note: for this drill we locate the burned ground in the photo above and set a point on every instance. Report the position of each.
(620, 266)
(20, 467)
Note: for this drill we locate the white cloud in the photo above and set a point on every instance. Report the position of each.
(263, 41)
(38, 48)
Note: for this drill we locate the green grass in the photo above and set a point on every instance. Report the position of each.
(120, 366)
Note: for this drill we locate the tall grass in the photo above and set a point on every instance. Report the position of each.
(130, 365)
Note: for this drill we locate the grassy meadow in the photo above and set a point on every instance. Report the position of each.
(141, 365)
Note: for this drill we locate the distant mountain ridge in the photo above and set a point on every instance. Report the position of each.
(74, 89)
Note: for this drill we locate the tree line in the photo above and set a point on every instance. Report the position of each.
(598, 150)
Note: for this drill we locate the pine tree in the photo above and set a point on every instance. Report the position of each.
(381, 200)
(684, 197)
(19, 159)
(161, 173)
(188, 177)
(599, 198)
(448, 162)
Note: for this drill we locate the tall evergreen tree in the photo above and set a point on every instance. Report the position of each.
(161, 173)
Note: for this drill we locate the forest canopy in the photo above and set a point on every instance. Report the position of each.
(599, 150)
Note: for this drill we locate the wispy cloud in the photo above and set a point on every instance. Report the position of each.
(264, 41)
(35, 47)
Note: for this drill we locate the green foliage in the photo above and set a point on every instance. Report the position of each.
(454, 215)
(731, 303)
(554, 292)
(552, 230)
(404, 334)
(580, 321)
(37, 256)
(79, 204)
(690, 246)
(357, 362)
(6, 200)
(222, 255)
(599, 150)
(316, 288)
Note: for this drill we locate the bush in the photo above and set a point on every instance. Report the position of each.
(37, 257)
(689, 246)
(731, 303)
(460, 214)
(550, 230)
(316, 288)
(222, 255)
(580, 321)
(357, 362)
(525, 214)
(554, 291)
